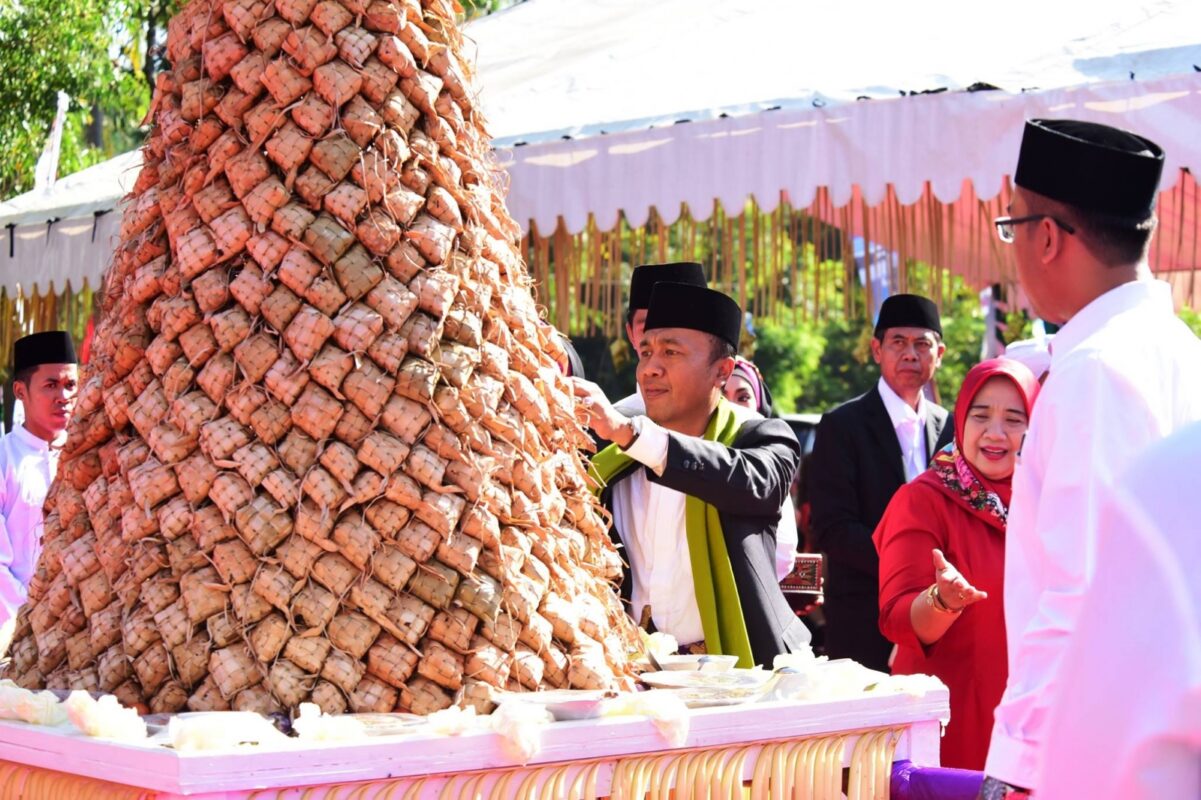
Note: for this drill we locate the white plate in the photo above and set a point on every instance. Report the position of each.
(698, 663)
(565, 704)
(731, 680)
(709, 698)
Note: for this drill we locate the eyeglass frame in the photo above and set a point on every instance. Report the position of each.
(1002, 222)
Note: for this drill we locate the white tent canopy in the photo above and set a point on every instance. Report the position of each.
(65, 234)
(553, 68)
(632, 70)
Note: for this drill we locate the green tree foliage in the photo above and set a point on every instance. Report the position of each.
(1192, 319)
(813, 365)
(101, 53)
(104, 54)
(963, 333)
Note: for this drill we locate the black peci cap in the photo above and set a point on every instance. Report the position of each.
(646, 276)
(48, 347)
(683, 305)
(908, 311)
(1098, 169)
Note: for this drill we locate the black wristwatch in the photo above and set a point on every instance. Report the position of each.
(994, 789)
(636, 424)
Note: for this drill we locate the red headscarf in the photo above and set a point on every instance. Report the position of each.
(951, 473)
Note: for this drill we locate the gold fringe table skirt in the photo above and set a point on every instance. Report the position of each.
(855, 764)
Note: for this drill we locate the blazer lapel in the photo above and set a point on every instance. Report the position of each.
(936, 419)
(880, 424)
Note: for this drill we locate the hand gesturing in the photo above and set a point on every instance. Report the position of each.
(953, 589)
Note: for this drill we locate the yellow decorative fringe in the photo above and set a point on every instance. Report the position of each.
(809, 768)
(793, 262)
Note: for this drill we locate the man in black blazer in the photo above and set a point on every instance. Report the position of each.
(695, 487)
(864, 451)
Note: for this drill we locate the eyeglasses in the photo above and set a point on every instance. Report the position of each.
(1005, 225)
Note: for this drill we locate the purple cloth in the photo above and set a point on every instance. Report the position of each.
(911, 782)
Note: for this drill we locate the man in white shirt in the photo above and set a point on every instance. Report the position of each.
(45, 381)
(1125, 373)
(1126, 724)
(695, 487)
(642, 281)
(865, 450)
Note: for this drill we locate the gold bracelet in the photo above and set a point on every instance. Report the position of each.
(935, 601)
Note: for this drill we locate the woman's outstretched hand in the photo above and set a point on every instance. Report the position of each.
(953, 589)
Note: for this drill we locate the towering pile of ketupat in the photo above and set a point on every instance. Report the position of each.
(323, 452)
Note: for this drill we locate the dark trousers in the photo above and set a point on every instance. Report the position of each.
(853, 631)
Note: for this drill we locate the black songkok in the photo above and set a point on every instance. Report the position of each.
(48, 347)
(908, 311)
(646, 276)
(683, 305)
(1098, 169)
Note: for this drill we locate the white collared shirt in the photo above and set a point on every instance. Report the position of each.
(650, 519)
(788, 539)
(910, 427)
(1127, 724)
(1125, 373)
(28, 465)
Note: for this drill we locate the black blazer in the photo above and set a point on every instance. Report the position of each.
(856, 468)
(746, 483)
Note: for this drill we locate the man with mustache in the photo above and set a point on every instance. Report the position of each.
(864, 451)
(695, 486)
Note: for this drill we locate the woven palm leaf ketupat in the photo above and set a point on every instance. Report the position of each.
(323, 451)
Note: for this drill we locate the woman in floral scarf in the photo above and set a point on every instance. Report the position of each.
(942, 557)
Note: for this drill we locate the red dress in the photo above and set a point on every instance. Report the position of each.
(970, 658)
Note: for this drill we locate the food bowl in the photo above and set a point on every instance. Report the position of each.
(567, 705)
(698, 663)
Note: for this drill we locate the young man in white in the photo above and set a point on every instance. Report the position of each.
(1125, 373)
(45, 380)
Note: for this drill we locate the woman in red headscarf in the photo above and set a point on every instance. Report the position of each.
(942, 557)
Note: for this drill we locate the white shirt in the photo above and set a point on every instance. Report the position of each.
(650, 519)
(787, 536)
(910, 426)
(28, 465)
(1128, 722)
(1125, 373)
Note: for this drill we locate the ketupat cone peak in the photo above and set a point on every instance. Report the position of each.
(321, 451)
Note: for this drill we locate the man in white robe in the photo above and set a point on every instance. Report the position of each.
(1125, 373)
(1127, 723)
(45, 381)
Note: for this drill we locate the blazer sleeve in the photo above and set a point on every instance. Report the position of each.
(905, 538)
(752, 478)
(838, 527)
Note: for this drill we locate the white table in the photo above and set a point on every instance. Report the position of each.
(50, 761)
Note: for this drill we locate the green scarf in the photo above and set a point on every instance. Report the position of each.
(712, 574)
